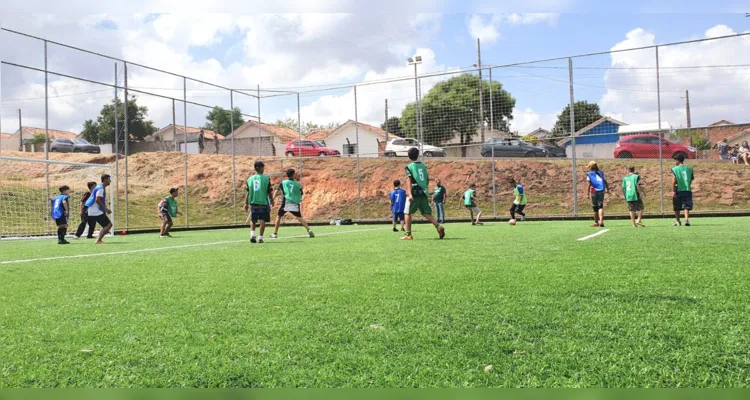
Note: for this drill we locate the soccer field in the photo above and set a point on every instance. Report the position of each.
(356, 307)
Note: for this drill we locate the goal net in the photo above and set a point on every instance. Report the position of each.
(27, 187)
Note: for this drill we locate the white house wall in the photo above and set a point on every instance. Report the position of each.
(368, 141)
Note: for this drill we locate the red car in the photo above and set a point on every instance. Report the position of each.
(647, 146)
(309, 148)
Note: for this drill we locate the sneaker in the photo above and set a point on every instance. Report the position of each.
(260, 240)
(274, 236)
(63, 242)
(687, 223)
(677, 223)
(76, 237)
(441, 232)
(473, 223)
(169, 235)
(600, 225)
(312, 235)
(91, 237)
(161, 236)
(523, 218)
(404, 230)
(480, 223)
(253, 240)
(407, 237)
(395, 230)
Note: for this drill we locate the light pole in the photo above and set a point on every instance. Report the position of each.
(416, 61)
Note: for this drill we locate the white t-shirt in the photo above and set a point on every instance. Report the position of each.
(95, 210)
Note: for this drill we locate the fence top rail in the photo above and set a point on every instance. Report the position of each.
(57, 162)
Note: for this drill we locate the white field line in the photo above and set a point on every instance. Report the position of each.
(113, 253)
(594, 235)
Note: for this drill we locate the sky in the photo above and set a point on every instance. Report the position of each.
(322, 55)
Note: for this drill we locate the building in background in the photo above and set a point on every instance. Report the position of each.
(278, 136)
(13, 141)
(597, 140)
(371, 142)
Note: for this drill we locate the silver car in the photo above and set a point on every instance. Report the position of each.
(73, 146)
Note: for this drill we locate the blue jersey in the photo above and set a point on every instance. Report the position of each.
(597, 180)
(398, 200)
(58, 208)
(99, 189)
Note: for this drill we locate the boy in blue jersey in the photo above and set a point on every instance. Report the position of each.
(61, 213)
(398, 204)
(597, 185)
(97, 208)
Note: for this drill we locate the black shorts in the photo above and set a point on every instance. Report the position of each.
(283, 212)
(518, 207)
(62, 221)
(166, 217)
(682, 201)
(102, 220)
(259, 213)
(635, 206)
(597, 200)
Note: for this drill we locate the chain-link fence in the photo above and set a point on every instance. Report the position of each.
(537, 123)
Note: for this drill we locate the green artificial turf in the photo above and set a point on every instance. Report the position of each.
(356, 307)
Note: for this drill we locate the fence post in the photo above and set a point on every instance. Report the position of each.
(234, 171)
(46, 127)
(356, 132)
(127, 139)
(184, 136)
(260, 148)
(573, 137)
(299, 135)
(658, 109)
(492, 135)
(116, 148)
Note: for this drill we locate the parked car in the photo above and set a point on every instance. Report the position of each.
(309, 148)
(73, 146)
(647, 146)
(400, 148)
(551, 148)
(511, 147)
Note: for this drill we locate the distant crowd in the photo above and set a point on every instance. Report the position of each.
(738, 154)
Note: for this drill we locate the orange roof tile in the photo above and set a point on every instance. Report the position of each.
(319, 135)
(4, 136)
(29, 131)
(284, 133)
(363, 125)
(207, 133)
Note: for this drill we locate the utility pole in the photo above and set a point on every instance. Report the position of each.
(386, 122)
(687, 113)
(20, 132)
(481, 108)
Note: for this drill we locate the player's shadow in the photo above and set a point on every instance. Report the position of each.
(451, 238)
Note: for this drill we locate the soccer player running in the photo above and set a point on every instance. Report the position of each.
(291, 198)
(438, 197)
(398, 205)
(61, 213)
(470, 202)
(258, 201)
(633, 190)
(597, 185)
(97, 208)
(416, 194)
(683, 196)
(167, 211)
(85, 215)
(519, 203)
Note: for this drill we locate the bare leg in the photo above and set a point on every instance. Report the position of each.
(479, 216)
(601, 216)
(687, 215)
(436, 224)
(167, 228)
(276, 225)
(407, 219)
(677, 216)
(303, 222)
(262, 227)
(103, 233)
(632, 219)
(640, 217)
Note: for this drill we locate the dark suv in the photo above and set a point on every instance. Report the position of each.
(73, 146)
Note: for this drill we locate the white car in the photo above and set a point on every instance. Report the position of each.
(400, 148)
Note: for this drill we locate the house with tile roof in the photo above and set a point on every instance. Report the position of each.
(720, 130)
(13, 141)
(371, 143)
(321, 135)
(279, 135)
(169, 132)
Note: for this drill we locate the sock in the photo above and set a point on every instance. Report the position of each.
(260, 237)
(408, 233)
(60, 234)
(252, 234)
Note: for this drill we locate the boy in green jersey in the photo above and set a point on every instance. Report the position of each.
(416, 194)
(633, 190)
(167, 211)
(258, 201)
(683, 195)
(519, 201)
(291, 199)
(470, 202)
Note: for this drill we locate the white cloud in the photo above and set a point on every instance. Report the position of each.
(487, 27)
(527, 120)
(715, 93)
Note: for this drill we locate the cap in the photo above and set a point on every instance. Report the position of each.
(592, 163)
(259, 164)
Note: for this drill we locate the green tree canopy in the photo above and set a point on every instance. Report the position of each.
(452, 108)
(394, 126)
(218, 120)
(585, 114)
(307, 127)
(103, 129)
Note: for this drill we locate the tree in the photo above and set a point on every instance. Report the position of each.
(307, 127)
(697, 138)
(394, 126)
(103, 129)
(38, 138)
(585, 114)
(219, 120)
(452, 108)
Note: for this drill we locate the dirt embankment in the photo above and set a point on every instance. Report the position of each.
(331, 184)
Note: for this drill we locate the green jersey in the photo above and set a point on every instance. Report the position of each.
(520, 194)
(258, 189)
(417, 174)
(292, 191)
(630, 187)
(438, 196)
(170, 206)
(468, 197)
(684, 175)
